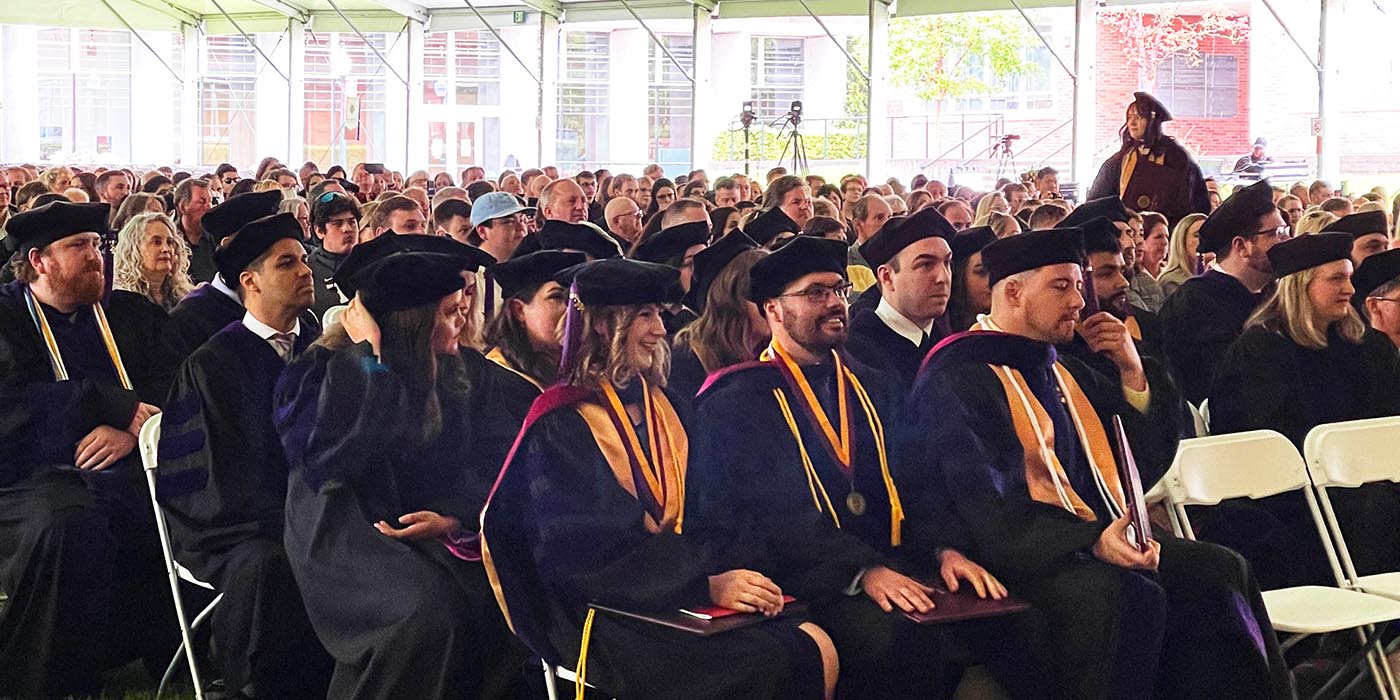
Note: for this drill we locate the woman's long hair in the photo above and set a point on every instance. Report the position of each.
(1290, 313)
(960, 314)
(1150, 138)
(1180, 261)
(135, 203)
(126, 261)
(506, 333)
(603, 355)
(719, 335)
(652, 208)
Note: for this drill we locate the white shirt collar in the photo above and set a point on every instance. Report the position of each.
(264, 331)
(899, 324)
(218, 283)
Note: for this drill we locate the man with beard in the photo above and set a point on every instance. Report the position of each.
(206, 310)
(912, 257)
(1013, 434)
(224, 477)
(1208, 312)
(816, 507)
(335, 222)
(78, 552)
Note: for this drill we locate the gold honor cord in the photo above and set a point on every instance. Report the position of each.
(60, 370)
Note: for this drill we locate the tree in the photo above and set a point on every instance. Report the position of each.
(934, 54)
(1149, 38)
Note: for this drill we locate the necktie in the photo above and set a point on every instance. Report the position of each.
(282, 343)
(924, 339)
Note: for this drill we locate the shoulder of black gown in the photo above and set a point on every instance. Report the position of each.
(687, 373)
(739, 380)
(872, 343)
(1257, 385)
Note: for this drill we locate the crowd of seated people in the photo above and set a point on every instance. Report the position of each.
(541, 394)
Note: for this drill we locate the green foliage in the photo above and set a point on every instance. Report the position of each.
(857, 92)
(935, 55)
(765, 146)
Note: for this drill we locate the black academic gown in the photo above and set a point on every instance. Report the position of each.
(677, 318)
(1188, 194)
(1196, 628)
(687, 373)
(79, 556)
(1199, 321)
(202, 265)
(401, 618)
(563, 533)
(223, 481)
(876, 345)
(749, 485)
(202, 313)
(323, 266)
(1266, 381)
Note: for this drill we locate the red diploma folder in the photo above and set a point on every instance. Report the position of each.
(703, 621)
(965, 605)
(1140, 534)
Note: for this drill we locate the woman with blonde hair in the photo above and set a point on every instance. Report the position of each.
(991, 202)
(57, 178)
(1305, 359)
(152, 260)
(1313, 222)
(298, 207)
(1182, 261)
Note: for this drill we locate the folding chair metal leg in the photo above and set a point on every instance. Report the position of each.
(551, 690)
(1363, 656)
(186, 649)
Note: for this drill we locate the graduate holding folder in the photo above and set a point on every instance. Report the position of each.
(591, 509)
(793, 467)
(1016, 436)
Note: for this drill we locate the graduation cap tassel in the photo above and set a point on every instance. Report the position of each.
(573, 331)
(1200, 264)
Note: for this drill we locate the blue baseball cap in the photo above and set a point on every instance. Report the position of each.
(494, 205)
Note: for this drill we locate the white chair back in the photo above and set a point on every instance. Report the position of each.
(1254, 464)
(1355, 452)
(1198, 420)
(332, 315)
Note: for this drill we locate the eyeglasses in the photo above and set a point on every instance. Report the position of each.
(818, 294)
(1384, 299)
(1282, 233)
(230, 180)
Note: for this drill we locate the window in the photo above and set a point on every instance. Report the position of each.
(776, 76)
(227, 100)
(582, 138)
(1210, 89)
(1030, 90)
(84, 95)
(345, 98)
(668, 101)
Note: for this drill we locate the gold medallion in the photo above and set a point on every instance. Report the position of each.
(1144, 202)
(855, 503)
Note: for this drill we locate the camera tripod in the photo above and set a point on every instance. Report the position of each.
(794, 144)
(1005, 155)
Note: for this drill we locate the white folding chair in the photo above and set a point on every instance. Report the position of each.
(332, 315)
(554, 673)
(1349, 455)
(1263, 463)
(1198, 418)
(149, 443)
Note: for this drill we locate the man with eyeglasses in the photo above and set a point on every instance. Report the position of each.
(498, 227)
(225, 177)
(624, 219)
(795, 451)
(335, 224)
(1292, 209)
(1377, 297)
(1208, 312)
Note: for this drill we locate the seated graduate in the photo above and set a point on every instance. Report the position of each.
(730, 328)
(793, 457)
(1104, 243)
(1305, 359)
(214, 305)
(385, 423)
(971, 296)
(686, 233)
(912, 258)
(1377, 283)
(590, 508)
(1016, 435)
(524, 336)
(223, 476)
(79, 556)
